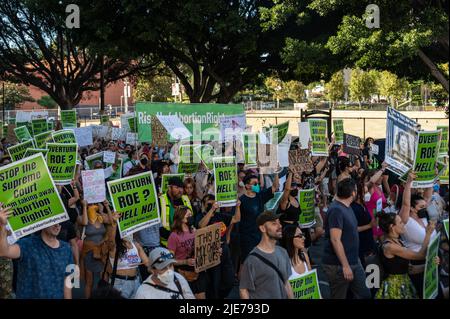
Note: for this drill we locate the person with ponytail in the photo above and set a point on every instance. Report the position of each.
(396, 257)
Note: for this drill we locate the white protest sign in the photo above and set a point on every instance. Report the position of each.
(231, 126)
(374, 149)
(118, 134)
(283, 151)
(94, 185)
(174, 126)
(304, 135)
(109, 157)
(83, 136)
(124, 120)
(26, 116)
(131, 138)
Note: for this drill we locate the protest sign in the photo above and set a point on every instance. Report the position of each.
(300, 161)
(306, 198)
(174, 127)
(283, 151)
(207, 247)
(159, 133)
(187, 160)
(281, 131)
(401, 139)
(443, 164)
(62, 161)
(205, 153)
(426, 157)
(64, 136)
(27, 116)
(83, 136)
(249, 145)
(69, 119)
(131, 138)
(165, 181)
(304, 135)
(207, 115)
(28, 189)
(104, 120)
(42, 139)
(118, 133)
(22, 134)
(443, 146)
(27, 125)
(374, 149)
(109, 157)
(352, 144)
(306, 286)
(125, 121)
(39, 126)
(94, 189)
(136, 200)
(132, 124)
(117, 169)
(32, 151)
(231, 127)
(445, 222)
(431, 278)
(272, 204)
(17, 151)
(4, 130)
(318, 131)
(93, 158)
(267, 158)
(225, 182)
(50, 125)
(338, 131)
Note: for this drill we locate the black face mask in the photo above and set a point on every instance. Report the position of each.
(208, 207)
(423, 213)
(294, 192)
(144, 161)
(190, 221)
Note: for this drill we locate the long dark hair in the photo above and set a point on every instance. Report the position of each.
(288, 241)
(120, 245)
(385, 220)
(178, 217)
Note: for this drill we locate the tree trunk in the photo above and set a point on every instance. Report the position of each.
(433, 69)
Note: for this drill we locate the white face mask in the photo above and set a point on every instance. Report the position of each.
(241, 184)
(167, 277)
(367, 197)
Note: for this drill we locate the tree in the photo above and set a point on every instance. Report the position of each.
(47, 102)
(214, 47)
(276, 88)
(156, 89)
(335, 87)
(362, 86)
(295, 90)
(15, 94)
(37, 49)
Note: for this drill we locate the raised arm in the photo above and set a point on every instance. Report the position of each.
(83, 219)
(6, 250)
(406, 202)
(287, 189)
(378, 174)
(205, 220)
(276, 183)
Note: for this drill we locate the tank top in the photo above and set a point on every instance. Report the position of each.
(291, 213)
(396, 265)
(296, 274)
(129, 260)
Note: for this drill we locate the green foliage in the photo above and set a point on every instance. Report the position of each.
(156, 89)
(335, 87)
(15, 94)
(362, 85)
(47, 102)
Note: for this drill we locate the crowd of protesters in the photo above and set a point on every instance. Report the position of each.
(260, 249)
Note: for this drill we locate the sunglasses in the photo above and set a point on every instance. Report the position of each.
(163, 258)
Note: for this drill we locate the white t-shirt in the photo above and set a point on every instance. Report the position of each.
(148, 292)
(415, 234)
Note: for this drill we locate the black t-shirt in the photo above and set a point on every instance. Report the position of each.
(66, 194)
(67, 232)
(342, 217)
(220, 217)
(366, 242)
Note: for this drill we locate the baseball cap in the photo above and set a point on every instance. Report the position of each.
(267, 216)
(176, 181)
(160, 258)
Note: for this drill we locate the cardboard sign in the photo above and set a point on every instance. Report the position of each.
(352, 144)
(207, 247)
(159, 133)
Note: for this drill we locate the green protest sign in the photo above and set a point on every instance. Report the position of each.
(50, 125)
(273, 203)
(39, 126)
(443, 169)
(27, 124)
(5, 130)
(250, 148)
(165, 181)
(28, 189)
(306, 286)
(426, 157)
(318, 132)
(132, 124)
(187, 161)
(117, 174)
(279, 131)
(135, 198)
(42, 139)
(205, 153)
(443, 147)
(225, 182)
(93, 158)
(62, 161)
(64, 136)
(445, 222)
(32, 151)
(207, 114)
(17, 151)
(104, 119)
(431, 279)
(22, 134)
(338, 131)
(306, 198)
(69, 119)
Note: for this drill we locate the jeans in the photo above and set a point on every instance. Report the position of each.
(127, 288)
(339, 286)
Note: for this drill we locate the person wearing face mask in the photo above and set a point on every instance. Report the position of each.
(241, 185)
(163, 282)
(289, 207)
(181, 243)
(252, 204)
(141, 167)
(131, 161)
(340, 256)
(414, 215)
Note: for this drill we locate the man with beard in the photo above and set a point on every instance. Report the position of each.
(267, 268)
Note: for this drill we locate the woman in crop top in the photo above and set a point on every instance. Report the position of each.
(130, 256)
(294, 242)
(289, 206)
(395, 259)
